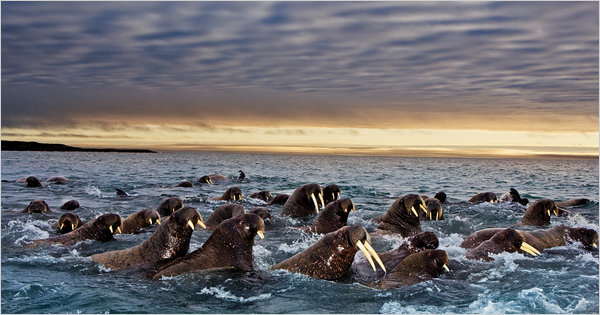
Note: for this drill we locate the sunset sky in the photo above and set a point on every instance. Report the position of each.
(407, 78)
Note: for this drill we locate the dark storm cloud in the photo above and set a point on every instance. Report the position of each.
(320, 63)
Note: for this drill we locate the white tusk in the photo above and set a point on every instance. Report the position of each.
(366, 253)
(333, 195)
(446, 268)
(338, 195)
(119, 229)
(73, 227)
(315, 202)
(260, 233)
(201, 224)
(150, 220)
(374, 253)
(548, 212)
(61, 226)
(111, 229)
(158, 221)
(595, 245)
(414, 211)
(437, 216)
(529, 249)
(322, 201)
(191, 224)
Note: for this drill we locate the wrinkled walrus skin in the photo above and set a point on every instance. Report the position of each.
(139, 220)
(538, 213)
(415, 268)
(402, 217)
(223, 213)
(102, 229)
(333, 217)
(170, 240)
(304, 201)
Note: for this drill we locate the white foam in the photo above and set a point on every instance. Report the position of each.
(299, 245)
(32, 230)
(397, 308)
(93, 190)
(262, 257)
(221, 293)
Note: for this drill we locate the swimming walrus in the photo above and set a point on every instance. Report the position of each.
(513, 196)
(102, 229)
(331, 193)
(441, 196)
(60, 180)
(279, 199)
(223, 213)
(212, 178)
(435, 210)
(333, 217)
(139, 220)
(263, 195)
(70, 205)
(538, 213)
(68, 222)
(121, 193)
(361, 270)
(262, 212)
(484, 197)
(170, 240)
(540, 239)
(32, 181)
(168, 206)
(415, 268)
(37, 206)
(185, 183)
(205, 180)
(572, 202)
(229, 246)
(303, 201)
(331, 256)
(505, 240)
(402, 217)
(231, 194)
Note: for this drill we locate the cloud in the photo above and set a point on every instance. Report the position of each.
(368, 64)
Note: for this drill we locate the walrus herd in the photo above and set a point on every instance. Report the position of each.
(335, 256)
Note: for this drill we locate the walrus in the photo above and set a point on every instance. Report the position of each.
(262, 212)
(331, 193)
(229, 246)
(139, 220)
(402, 217)
(60, 180)
(216, 178)
(333, 217)
(205, 180)
(571, 202)
(68, 222)
(415, 268)
(185, 183)
(540, 239)
(70, 205)
(242, 175)
(331, 256)
(37, 206)
(170, 240)
(263, 195)
(223, 213)
(484, 197)
(32, 181)
(361, 270)
(102, 229)
(121, 193)
(513, 196)
(506, 240)
(538, 213)
(168, 206)
(231, 194)
(441, 196)
(435, 211)
(303, 201)
(279, 199)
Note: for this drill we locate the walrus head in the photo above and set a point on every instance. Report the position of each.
(508, 240)
(232, 193)
(169, 205)
(149, 216)
(424, 240)
(106, 225)
(32, 181)
(331, 193)
(312, 192)
(223, 213)
(402, 217)
(539, 212)
(587, 237)
(262, 212)
(334, 216)
(37, 206)
(70, 205)
(263, 195)
(415, 268)
(435, 211)
(68, 222)
(205, 180)
(441, 196)
(185, 183)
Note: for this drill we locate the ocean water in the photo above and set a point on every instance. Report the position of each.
(59, 279)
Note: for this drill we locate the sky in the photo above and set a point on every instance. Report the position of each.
(398, 78)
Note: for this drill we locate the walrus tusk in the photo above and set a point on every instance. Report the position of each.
(150, 220)
(333, 195)
(437, 216)
(61, 226)
(374, 253)
(556, 212)
(73, 226)
(423, 208)
(111, 229)
(338, 196)
(430, 214)
(345, 210)
(191, 224)
(366, 253)
(322, 201)
(548, 212)
(446, 268)
(201, 224)
(353, 207)
(529, 249)
(595, 245)
(315, 202)
(158, 221)
(234, 197)
(119, 229)
(414, 211)
(260, 233)
(210, 181)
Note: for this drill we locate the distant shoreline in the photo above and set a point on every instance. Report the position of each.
(36, 146)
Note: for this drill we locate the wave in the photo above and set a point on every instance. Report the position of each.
(221, 293)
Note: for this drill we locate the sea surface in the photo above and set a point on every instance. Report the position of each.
(63, 279)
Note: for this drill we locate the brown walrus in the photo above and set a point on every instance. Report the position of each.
(303, 201)
(229, 246)
(68, 222)
(168, 206)
(331, 193)
(262, 212)
(484, 197)
(37, 206)
(279, 199)
(139, 220)
(513, 196)
(361, 270)
(205, 180)
(402, 217)
(210, 179)
(263, 195)
(331, 256)
(70, 205)
(185, 183)
(505, 240)
(538, 213)
(170, 240)
(32, 181)
(540, 239)
(333, 217)
(223, 213)
(102, 229)
(435, 210)
(231, 194)
(415, 268)
(572, 202)
(60, 180)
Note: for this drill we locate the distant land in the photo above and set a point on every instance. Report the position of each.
(36, 146)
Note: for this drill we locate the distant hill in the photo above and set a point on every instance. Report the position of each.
(36, 146)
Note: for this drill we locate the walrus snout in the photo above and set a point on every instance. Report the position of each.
(169, 206)
(314, 194)
(188, 216)
(587, 237)
(425, 240)
(37, 206)
(32, 181)
(68, 222)
(360, 238)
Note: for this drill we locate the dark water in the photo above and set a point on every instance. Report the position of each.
(57, 279)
